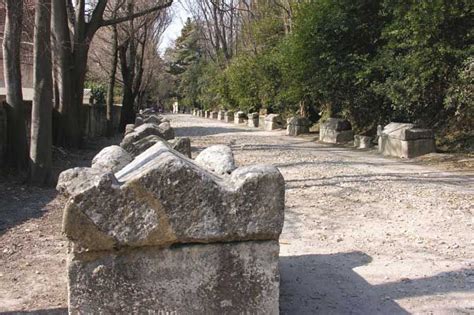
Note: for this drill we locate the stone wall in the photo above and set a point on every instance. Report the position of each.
(95, 119)
(163, 233)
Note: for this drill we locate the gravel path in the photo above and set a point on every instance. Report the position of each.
(363, 234)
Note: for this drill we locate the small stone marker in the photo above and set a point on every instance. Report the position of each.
(229, 116)
(297, 126)
(363, 142)
(404, 140)
(214, 115)
(254, 120)
(220, 115)
(273, 122)
(239, 117)
(335, 130)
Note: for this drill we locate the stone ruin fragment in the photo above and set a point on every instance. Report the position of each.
(297, 125)
(273, 122)
(335, 130)
(164, 234)
(405, 140)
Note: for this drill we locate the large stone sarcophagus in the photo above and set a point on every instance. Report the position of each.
(163, 234)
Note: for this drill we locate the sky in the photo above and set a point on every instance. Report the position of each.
(174, 30)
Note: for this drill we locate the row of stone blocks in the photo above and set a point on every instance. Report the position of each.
(402, 140)
(163, 234)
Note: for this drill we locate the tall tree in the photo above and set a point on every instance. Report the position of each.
(41, 113)
(17, 145)
(74, 27)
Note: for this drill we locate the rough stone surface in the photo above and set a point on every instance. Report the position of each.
(335, 130)
(217, 158)
(163, 130)
(162, 198)
(138, 121)
(404, 140)
(76, 180)
(232, 278)
(363, 142)
(254, 120)
(111, 159)
(273, 122)
(229, 116)
(129, 128)
(153, 119)
(182, 145)
(297, 126)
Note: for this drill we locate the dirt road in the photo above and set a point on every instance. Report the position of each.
(363, 234)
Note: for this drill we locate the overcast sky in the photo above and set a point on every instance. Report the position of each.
(174, 30)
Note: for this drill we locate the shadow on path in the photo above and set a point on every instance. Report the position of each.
(204, 131)
(327, 284)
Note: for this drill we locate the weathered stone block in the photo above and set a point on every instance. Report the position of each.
(217, 158)
(335, 130)
(254, 120)
(239, 117)
(363, 142)
(182, 145)
(129, 128)
(214, 115)
(111, 159)
(228, 278)
(224, 230)
(163, 130)
(297, 126)
(273, 122)
(207, 114)
(229, 117)
(406, 141)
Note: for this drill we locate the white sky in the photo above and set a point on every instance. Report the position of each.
(174, 30)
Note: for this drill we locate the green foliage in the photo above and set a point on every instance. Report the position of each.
(370, 61)
(98, 92)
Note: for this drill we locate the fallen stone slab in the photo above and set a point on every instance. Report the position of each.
(273, 122)
(111, 159)
(297, 126)
(217, 158)
(335, 130)
(404, 140)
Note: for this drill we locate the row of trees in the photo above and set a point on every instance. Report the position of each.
(64, 32)
(370, 61)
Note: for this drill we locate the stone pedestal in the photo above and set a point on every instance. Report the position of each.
(297, 126)
(213, 115)
(273, 122)
(207, 114)
(164, 235)
(254, 120)
(229, 117)
(239, 117)
(363, 142)
(335, 130)
(404, 140)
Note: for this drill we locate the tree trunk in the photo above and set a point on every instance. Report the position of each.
(111, 85)
(17, 144)
(68, 133)
(41, 113)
